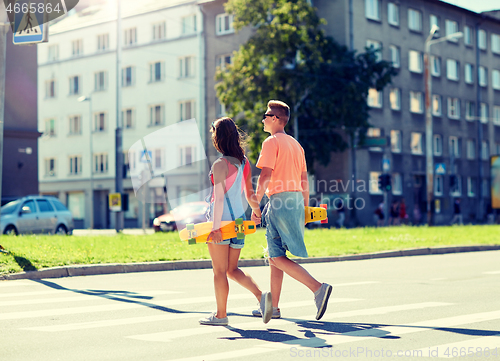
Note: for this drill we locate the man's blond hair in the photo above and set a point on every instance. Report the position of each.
(280, 109)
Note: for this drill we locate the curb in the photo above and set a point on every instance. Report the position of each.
(112, 268)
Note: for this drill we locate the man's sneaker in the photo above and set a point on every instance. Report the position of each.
(266, 306)
(321, 297)
(276, 313)
(213, 321)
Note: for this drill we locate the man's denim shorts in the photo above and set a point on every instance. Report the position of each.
(284, 217)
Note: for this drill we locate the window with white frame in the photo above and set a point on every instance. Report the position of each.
(100, 80)
(376, 46)
(414, 20)
(129, 160)
(50, 127)
(75, 165)
(453, 108)
(156, 114)
(396, 141)
(495, 79)
(471, 149)
(467, 35)
(374, 132)
(372, 9)
(471, 186)
(130, 36)
(485, 150)
(186, 155)
(220, 108)
(373, 183)
(221, 61)
(374, 98)
(50, 88)
(456, 189)
(100, 162)
(470, 110)
(186, 110)
(469, 79)
(438, 145)
(438, 185)
(158, 158)
(495, 43)
(481, 35)
(436, 105)
(416, 102)
(435, 66)
(100, 121)
(395, 98)
(50, 167)
(452, 69)
(415, 63)
(397, 184)
(496, 115)
(53, 53)
(77, 47)
(75, 124)
(393, 11)
(156, 71)
(433, 20)
(451, 28)
(128, 116)
(189, 24)
(128, 76)
(102, 42)
(186, 67)
(484, 112)
(416, 143)
(395, 56)
(159, 31)
(483, 76)
(224, 24)
(454, 147)
(74, 85)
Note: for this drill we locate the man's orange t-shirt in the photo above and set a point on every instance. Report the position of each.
(285, 156)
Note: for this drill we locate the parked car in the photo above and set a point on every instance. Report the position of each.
(178, 217)
(36, 214)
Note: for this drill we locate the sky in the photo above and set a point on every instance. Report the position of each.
(476, 5)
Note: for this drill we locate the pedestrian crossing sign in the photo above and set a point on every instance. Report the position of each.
(29, 27)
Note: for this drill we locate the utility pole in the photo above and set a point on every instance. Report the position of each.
(479, 132)
(118, 131)
(4, 28)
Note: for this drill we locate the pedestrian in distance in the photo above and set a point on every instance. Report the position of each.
(394, 213)
(230, 176)
(379, 215)
(284, 180)
(457, 212)
(403, 216)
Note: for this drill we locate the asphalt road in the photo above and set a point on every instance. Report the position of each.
(408, 308)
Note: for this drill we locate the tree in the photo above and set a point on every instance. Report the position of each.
(290, 58)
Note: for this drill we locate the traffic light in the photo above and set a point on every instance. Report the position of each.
(381, 182)
(385, 182)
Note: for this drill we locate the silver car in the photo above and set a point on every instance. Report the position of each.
(36, 214)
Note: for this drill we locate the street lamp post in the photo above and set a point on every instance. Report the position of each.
(428, 115)
(91, 193)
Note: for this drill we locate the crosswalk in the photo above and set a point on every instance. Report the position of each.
(168, 319)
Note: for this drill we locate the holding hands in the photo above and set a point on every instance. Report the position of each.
(256, 216)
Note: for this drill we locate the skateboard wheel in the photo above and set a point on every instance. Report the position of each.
(192, 241)
(190, 226)
(238, 221)
(240, 236)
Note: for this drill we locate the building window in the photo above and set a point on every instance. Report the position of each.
(100, 81)
(221, 61)
(495, 76)
(453, 108)
(99, 122)
(416, 143)
(470, 113)
(438, 145)
(496, 115)
(467, 35)
(471, 149)
(438, 185)
(186, 155)
(186, 67)
(53, 53)
(375, 46)
(100, 163)
(397, 184)
(374, 98)
(102, 42)
(396, 141)
(74, 85)
(451, 28)
(156, 71)
(483, 76)
(485, 150)
(433, 20)
(189, 24)
(471, 186)
(435, 65)
(130, 36)
(395, 56)
(373, 183)
(436, 105)
(220, 109)
(158, 158)
(159, 32)
(128, 116)
(224, 24)
(468, 73)
(414, 20)
(395, 98)
(456, 186)
(50, 88)
(156, 114)
(481, 35)
(415, 61)
(186, 110)
(372, 9)
(128, 76)
(483, 113)
(416, 102)
(50, 128)
(75, 124)
(75, 165)
(77, 47)
(452, 68)
(393, 11)
(50, 167)
(454, 147)
(485, 184)
(129, 161)
(495, 43)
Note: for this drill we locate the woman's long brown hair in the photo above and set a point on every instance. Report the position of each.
(228, 139)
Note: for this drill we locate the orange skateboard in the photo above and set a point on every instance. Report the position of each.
(198, 233)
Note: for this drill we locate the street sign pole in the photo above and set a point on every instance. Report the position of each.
(4, 28)
(386, 167)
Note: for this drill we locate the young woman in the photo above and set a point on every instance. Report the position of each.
(231, 176)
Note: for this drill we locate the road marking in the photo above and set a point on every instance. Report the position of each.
(167, 317)
(454, 349)
(491, 273)
(14, 283)
(170, 335)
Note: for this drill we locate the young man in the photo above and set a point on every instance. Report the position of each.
(284, 180)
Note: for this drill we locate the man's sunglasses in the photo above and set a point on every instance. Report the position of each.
(269, 115)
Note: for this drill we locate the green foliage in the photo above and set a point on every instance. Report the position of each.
(289, 58)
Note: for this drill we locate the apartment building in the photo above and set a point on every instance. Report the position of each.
(162, 83)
